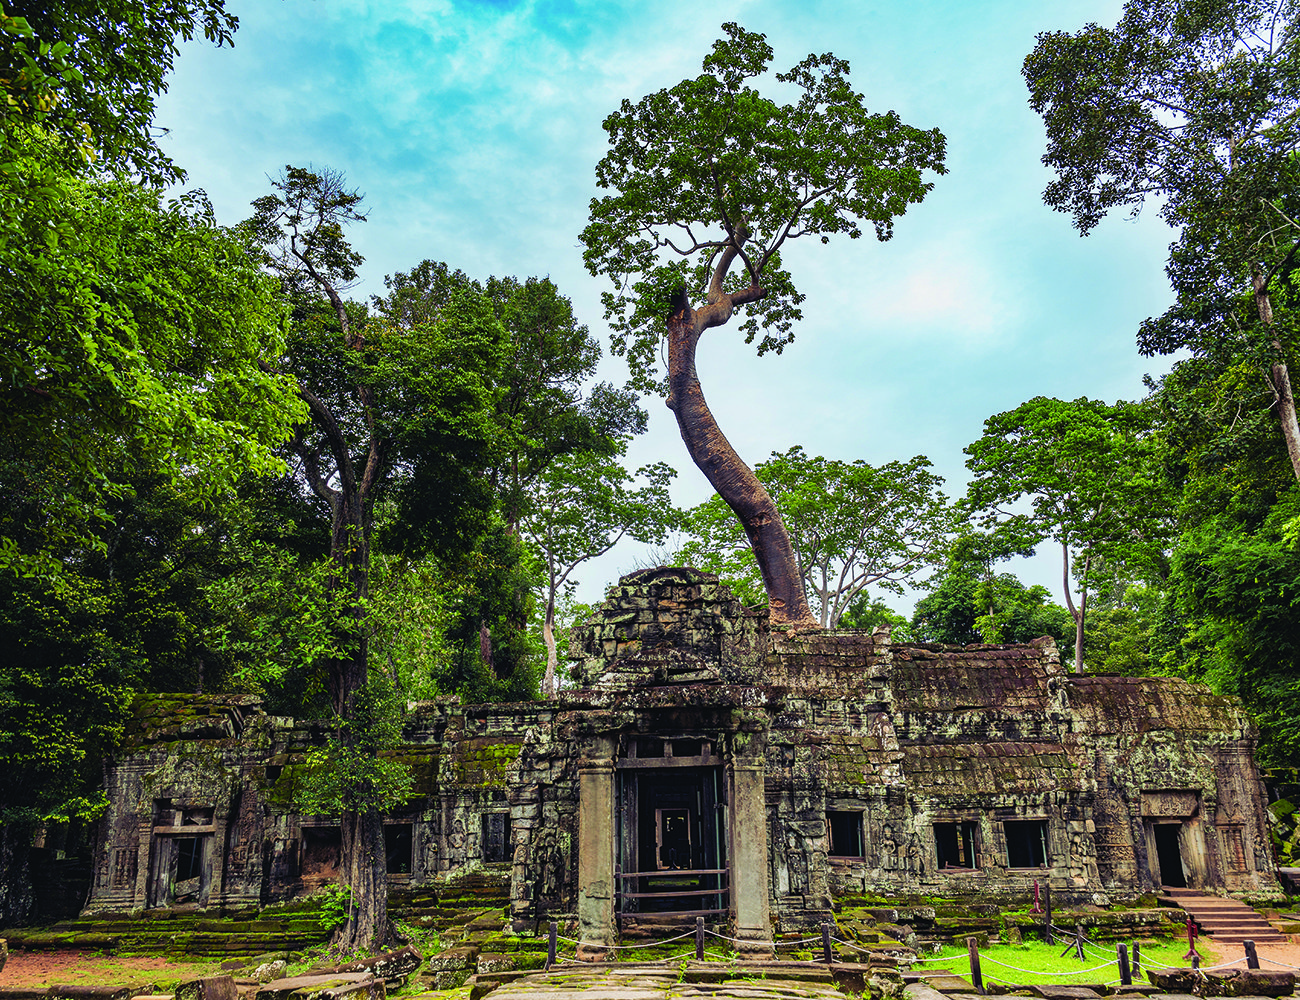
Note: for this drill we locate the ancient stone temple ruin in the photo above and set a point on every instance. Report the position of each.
(706, 765)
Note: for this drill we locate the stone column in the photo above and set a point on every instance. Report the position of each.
(596, 852)
(749, 890)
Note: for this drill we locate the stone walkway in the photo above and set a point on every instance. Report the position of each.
(778, 981)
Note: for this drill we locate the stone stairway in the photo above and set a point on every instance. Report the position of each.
(1228, 921)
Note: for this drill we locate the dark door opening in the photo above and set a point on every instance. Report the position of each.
(673, 841)
(1169, 856)
(398, 848)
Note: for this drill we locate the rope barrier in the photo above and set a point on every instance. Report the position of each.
(1031, 972)
(626, 947)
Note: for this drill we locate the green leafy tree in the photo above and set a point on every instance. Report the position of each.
(1195, 103)
(87, 72)
(712, 181)
(134, 331)
(868, 614)
(852, 526)
(581, 510)
(965, 606)
(397, 412)
(543, 411)
(1086, 469)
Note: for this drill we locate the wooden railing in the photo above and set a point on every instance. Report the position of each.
(719, 893)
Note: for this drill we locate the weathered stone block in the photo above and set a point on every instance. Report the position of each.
(211, 988)
(1224, 982)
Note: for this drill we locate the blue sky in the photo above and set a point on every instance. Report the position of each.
(473, 129)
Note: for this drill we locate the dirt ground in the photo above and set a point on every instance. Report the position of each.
(1271, 956)
(68, 966)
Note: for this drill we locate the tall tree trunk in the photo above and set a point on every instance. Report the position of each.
(1279, 376)
(1079, 613)
(731, 477)
(548, 636)
(350, 554)
(365, 870)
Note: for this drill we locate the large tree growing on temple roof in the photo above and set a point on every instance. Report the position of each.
(712, 180)
(1195, 103)
(853, 526)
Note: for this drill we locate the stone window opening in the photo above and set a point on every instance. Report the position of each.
(1026, 843)
(844, 830)
(676, 747)
(322, 855)
(954, 845)
(398, 848)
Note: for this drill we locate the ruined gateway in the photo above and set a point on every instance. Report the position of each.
(708, 766)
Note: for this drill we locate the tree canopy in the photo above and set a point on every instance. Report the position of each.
(1195, 103)
(134, 330)
(853, 526)
(712, 180)
(87, 73)
(1085, 468)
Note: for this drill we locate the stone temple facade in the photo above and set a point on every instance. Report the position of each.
(708, 766)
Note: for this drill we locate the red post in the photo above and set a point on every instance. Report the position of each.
(1192, 953)
(1037, 908)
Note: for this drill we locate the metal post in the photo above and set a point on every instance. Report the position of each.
(1252, 960)
(699, 938)
(1137, 959)
(1191, 943)
(1047, 915)
(1121, 954)
(976, 976)
(826, 944)
(550, 946)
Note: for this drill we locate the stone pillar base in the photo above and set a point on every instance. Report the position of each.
(752, 944)
(594, 953)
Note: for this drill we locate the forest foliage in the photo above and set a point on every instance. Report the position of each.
(166, 514)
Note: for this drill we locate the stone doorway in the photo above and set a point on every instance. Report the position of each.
(181, 856)
(672, 842)
(1169, 855)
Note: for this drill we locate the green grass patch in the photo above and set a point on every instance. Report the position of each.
(1045, 964)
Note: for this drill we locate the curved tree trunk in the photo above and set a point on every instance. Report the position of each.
(730, 476)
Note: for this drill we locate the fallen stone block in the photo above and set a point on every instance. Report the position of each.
(445, 979)
(1050, 991)
(80, 992)
(211, 988)
(312, 986)
(389, 965)
(270, 971)
(1224, 982)
(461, 957)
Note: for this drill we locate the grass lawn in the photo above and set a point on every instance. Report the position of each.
(1046, 964)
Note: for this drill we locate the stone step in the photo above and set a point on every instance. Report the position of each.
(1256, 938)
